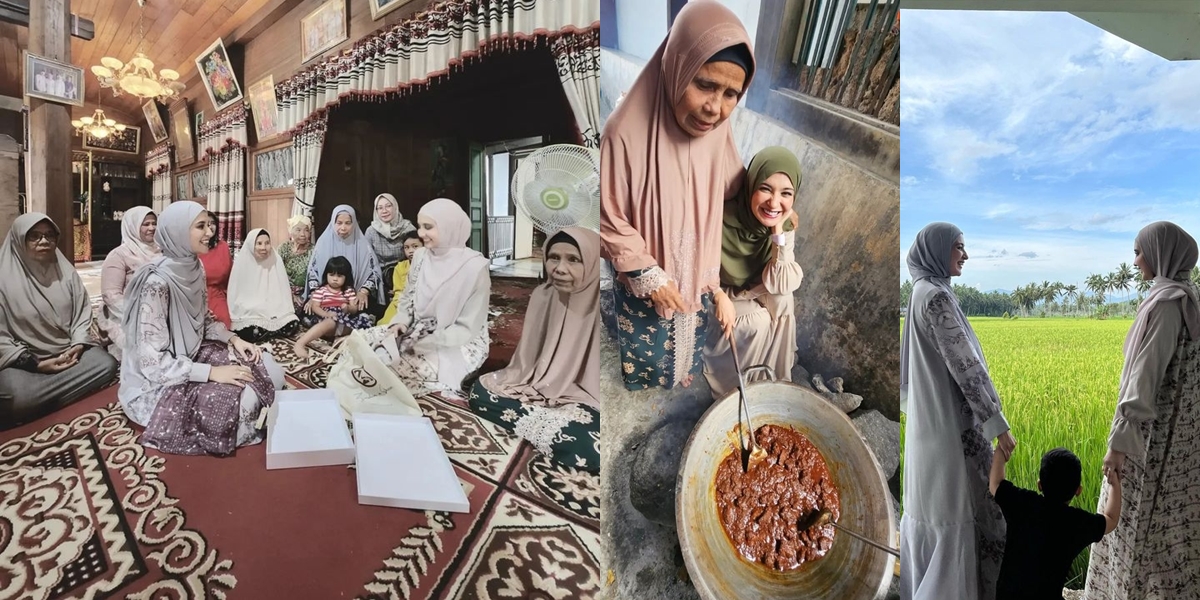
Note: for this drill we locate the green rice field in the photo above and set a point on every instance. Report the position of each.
(1057, 379)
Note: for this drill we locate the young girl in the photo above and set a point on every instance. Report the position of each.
(329, 309)
(412, 241)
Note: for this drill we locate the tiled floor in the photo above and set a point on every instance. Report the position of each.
(524, 268)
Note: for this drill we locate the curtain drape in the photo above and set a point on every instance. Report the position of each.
(578, 59)
(223, 146)
(158, 171)
(306, 161)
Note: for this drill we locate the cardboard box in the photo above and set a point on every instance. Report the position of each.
(305, 428)
(401, 463)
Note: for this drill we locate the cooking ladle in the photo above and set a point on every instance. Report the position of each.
(824, 517)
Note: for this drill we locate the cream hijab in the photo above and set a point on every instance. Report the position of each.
(43, 308)
(557, 357)
(452, 268)
(398, 226)
(665, 188)
(131, 234)
(259, 292)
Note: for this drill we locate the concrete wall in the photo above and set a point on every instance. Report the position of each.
(641, 26)
(848, 243)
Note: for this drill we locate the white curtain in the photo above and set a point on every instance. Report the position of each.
(158, 170)
(223, 145)
(306, 161)
(578, 58)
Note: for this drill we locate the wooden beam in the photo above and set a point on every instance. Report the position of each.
(17, 12)
(49, 159)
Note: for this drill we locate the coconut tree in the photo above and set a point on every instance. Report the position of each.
(1123, 277)
(1070, 294)
(1098, 285)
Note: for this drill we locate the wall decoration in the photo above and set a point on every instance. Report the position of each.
(265, 109)
(181, 187)
(217, 74)
(273, 169)
(126, 141)
(181, 130)
(383, 7)
(200, 183)
(199, 121)
(52, 80)
(154, 120)
(323, 29)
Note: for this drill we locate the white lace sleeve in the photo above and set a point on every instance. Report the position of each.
(650, 280)
(965, 364)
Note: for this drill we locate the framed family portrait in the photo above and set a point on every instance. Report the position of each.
(181, 129)
(217, 73)
(126, 142)
(52, 80)
(265, 109)
(383, 7)
(154, 121)
(323, 29)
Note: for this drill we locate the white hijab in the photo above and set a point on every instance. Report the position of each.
(259, 292)
(397, 227)
(446, 281)
(131, 234)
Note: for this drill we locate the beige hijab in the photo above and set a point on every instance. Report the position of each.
(131, 235)
(662, 191)
(43, 308)
(259, 292)
(446, 281)
(557, 358)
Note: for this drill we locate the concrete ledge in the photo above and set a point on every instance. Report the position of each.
(868, 143)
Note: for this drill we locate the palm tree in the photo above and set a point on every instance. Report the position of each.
(1123, 278)
(1098, 285)
(1143, 286)
(1070, 294)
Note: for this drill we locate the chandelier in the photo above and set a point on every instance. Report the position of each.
(98, 126)
(137, 76)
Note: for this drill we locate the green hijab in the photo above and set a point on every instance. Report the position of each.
(746, 243)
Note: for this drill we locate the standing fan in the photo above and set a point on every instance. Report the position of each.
(559, 186)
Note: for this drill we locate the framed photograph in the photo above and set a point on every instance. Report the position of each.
(181, 187)
(154, 121)
(199, 122)
(181, 130)
(272, 169)
(126, 142)
(323, 29)
(200, 183)
(383, 7)
(265, 108)
(52, 80)
(217, 74)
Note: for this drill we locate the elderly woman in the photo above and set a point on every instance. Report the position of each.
(668, 161)
(952, 531)
(441, 320)
(194, 386)
(759, 273)
(343, 238)
(137, 248)
(296, 252)
(1155, 551)
(386, 235)
(260, 299)
(47, 358)
(550, 392)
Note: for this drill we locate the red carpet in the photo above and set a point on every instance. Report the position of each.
(85, 511)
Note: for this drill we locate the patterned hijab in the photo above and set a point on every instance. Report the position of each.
(390, 230)
(131, 234)
(929, 258)
(745, 242)
(355, 248)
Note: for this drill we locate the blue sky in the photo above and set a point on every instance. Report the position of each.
(1047, 140)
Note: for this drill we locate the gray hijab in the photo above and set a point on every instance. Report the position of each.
(44, 309)
(929, 258)
(355, 249)
(180, 268)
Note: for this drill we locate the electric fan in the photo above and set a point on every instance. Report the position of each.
(559, 186)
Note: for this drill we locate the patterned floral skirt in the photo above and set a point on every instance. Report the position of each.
(658, 352)
(568, 434)
(358, 320)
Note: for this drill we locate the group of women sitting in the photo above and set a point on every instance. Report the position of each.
(192, 373)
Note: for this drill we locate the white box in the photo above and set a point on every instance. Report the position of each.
(305, 428)
(401, 464)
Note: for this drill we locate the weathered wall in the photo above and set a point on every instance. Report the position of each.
(848, 244)
(9, 177)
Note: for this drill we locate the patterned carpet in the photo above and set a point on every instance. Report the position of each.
(86, 512)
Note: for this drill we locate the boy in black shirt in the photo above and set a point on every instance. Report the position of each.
(1045, 533)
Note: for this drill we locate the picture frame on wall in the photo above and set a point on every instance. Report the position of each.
(265, 108)
(200, 182)
(182, 190)
(125, 142)
(53, 80)
(383, 7)
(181, 130)
(323, 28)
(154, 121)
(217, 74)
(199, 122)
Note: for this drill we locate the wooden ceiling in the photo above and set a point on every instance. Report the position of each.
(176, 31)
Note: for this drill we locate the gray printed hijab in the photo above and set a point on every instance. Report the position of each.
(928, 258)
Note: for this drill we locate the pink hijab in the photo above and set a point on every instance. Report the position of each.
(446, 282)
(662, 191)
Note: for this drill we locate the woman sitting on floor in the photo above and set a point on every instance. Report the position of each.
(137, 248)
(296, 252)
(194, 386)
(441, 321)
(218, 263)
(412, 241)
(343, 238)
(47, 357)
(260, 298)
(386, 235)
(549, 393)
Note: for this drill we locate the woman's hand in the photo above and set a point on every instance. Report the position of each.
(398, 329)
(362, 300)
(58, 364)
(726, 313)
(1114, 464)
(249, 352)
(75, 352)
(238, 375)
(667, 297)
(1006, 443)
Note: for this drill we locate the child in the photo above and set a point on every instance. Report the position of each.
(412, 241)
(327, 308)
(1045, 533)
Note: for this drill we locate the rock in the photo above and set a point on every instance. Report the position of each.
(882, 436)
(847, 403)
(654, 470)
(836, 385)
(819, 384)
(800, 376)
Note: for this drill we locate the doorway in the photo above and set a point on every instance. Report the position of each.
(510, 232)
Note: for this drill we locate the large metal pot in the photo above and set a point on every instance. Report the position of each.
(851, 570)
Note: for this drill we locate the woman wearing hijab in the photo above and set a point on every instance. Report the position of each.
(386, 235)
(260, 298)
(137, 248)
(549, 394)
(343, 238)
(754, 306)
(218, 263)
(1155, 551)
(296, 253)
(194, 386)
(668, 161)
(441, 320)
(47, 357)
(952, 531)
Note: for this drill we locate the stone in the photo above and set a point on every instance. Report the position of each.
(655, 468)
(800, 376)
(819, 384)
(846, 403)
(837, 385)
(882, 436)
